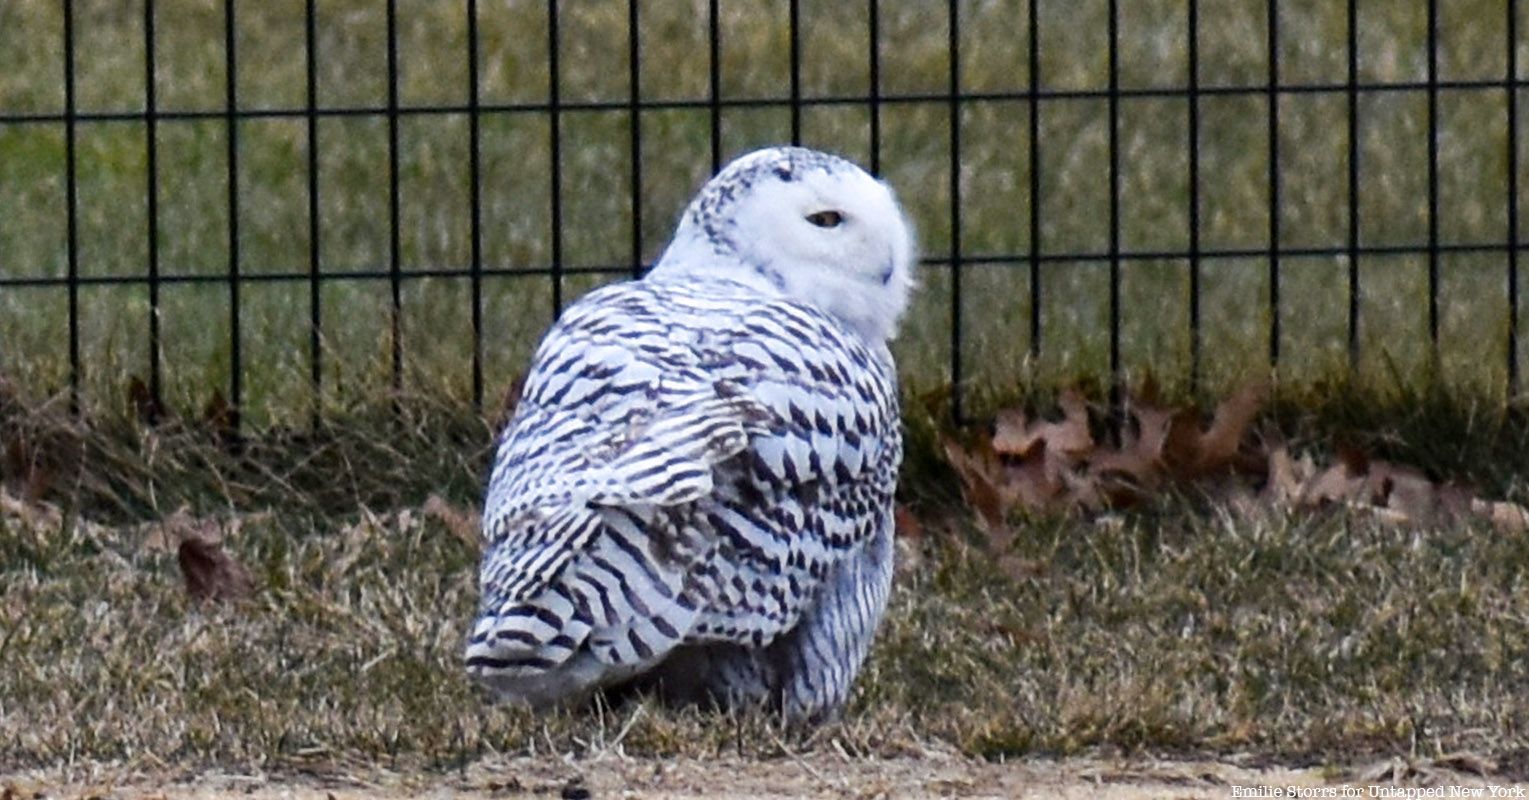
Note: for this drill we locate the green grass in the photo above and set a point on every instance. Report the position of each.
(597, 213)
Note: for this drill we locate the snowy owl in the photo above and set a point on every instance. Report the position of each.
(695, 494)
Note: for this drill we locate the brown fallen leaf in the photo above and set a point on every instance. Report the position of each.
(979, 476)
(462, 524)
(1051, 466)
(1033, 484)
(1022, 568)
(210, 573)
(509, 403)
(145, 408)
(1403, 489)
(1288, 477)
(1505, 517)
(907, 524)
(26, 468)
(1012, 434)
(34, 514)
(1466, 762)
(167, 535)
(1221, 441)
(218, 414)
(1126, 476)
(1067, 439)
(1455, 500)
(1154, 426)
(1336, 484)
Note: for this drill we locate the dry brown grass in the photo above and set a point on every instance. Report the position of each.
(1183, 628)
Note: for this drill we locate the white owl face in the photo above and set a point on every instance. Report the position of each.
(805, 224)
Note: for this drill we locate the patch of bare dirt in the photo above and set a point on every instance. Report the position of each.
(818, 775)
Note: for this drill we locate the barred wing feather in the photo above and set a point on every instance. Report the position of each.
(689, 465)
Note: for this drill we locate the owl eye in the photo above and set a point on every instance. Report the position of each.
(826, 219)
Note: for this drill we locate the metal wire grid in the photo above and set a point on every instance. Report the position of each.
(874, 100)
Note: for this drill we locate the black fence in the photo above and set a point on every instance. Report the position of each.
(1029, 37)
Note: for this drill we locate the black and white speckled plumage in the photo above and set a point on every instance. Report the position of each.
(696, 490)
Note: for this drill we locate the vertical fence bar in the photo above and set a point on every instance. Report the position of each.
(475, 189)
(714, 77)
(634, 101)
(795, 33)
(395, 250)
(1353, 185)
(231, 117)
(873, 24)
(151, 154)
(954, 43)
(1035, 181)
(1433, 178)
(1194, 195)
(554, 130)
(1114, 147)
(72, 205)
(1513, 368)
(1274, 198)
(315, 297)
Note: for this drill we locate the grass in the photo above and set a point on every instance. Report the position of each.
(598, 215)
(1187, 627)
(1328, 638)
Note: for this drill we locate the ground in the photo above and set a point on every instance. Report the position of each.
(1055, 654)
(1073, 648)
(612, 774)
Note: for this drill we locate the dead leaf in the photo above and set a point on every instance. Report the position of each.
(1466, 762)
(179, 526)
(1221, 441)
(1240, 499)
(1129, 474)
(1392, 770)
(210, 573)
(1403, 489)
(907, 523)
(1067, 439)
(1287, 477)
(26, 468)
(1505, 517)
(1070, 437)
(509, 402)
(1032, 484)
(1022, 568)
(218, 413)
(1153, 427)
(1455, 501)
(34, 514)
(1012, 435)
(1336, 484)
(145, 407)
(462, 524)
(1049, 466)
(979, 476)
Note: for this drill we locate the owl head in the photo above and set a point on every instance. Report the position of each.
(809, 226)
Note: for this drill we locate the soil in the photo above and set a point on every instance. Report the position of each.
(818, 775)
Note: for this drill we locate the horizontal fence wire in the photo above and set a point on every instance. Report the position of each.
(625, 269)
(783, 102)
(1033, 263)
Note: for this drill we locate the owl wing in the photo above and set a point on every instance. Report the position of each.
(684, 466)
